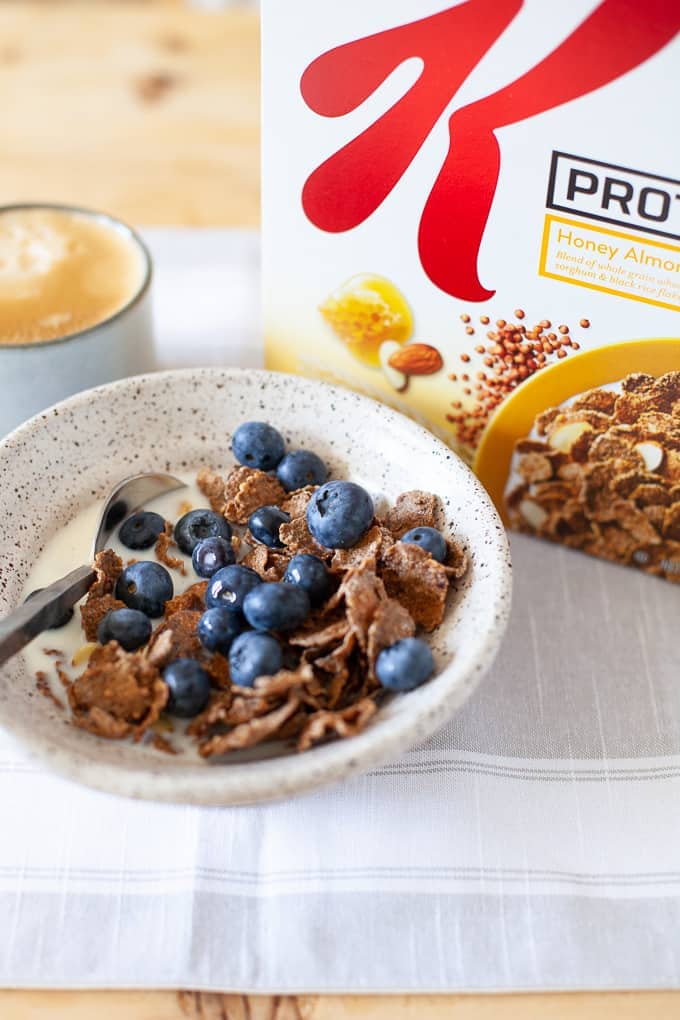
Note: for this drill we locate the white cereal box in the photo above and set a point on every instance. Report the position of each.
(472, 213)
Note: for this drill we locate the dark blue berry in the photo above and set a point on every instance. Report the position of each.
(211, 555)
(276, 606)
(258, 445)
(188, 686)
(264, 525)
(141, 530)
(300, 468)
(405, 665)
(146, 586)
(252, 655)
(312, 574)
(130, 628)
(339, 514)
(217, 628)
(61, 620)
(229, 587)
(430, 540)
(198, 525)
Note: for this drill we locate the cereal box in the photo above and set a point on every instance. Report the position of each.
(471, 211)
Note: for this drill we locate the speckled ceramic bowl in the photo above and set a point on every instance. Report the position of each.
(72, 454)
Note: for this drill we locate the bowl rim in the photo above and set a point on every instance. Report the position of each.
(256, 781)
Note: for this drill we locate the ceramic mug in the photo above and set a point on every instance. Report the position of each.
(36, 374)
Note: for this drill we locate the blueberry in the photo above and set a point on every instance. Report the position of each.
(430, 540)
(141, 530)
(61, 620)
(146, 586)
(252, 655)
(405, 665)
(276, 606)
(264, 525)
(258, 445)
(211, 555)
(197, 525)
(339, 514)
(310, 573)
(217, 628)
(300, 468)
(189, 687)
(229, 587)
(130, 628)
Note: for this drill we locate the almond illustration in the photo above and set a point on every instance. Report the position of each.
(397, 380)
(417, 359)
(564, 436)
(652, 454)
(533, 513)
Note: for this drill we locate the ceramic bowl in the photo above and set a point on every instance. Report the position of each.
(72, 454)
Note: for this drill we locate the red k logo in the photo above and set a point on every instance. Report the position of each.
(349, 186)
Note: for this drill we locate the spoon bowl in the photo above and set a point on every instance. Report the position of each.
(128, 496)
(51, 604)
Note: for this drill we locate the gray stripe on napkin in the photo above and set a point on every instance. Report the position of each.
(289, 944)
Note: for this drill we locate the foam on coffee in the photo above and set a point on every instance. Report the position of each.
(62, 272)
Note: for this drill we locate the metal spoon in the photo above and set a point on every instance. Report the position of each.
(50, 605)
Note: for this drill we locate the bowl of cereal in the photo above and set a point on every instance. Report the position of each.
(325, 591)
(587, 454)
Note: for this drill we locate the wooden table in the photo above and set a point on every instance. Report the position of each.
(150, 110)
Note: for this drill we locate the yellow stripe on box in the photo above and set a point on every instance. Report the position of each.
(612, 262)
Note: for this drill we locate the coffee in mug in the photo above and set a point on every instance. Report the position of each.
(62, 272)
(75, 308)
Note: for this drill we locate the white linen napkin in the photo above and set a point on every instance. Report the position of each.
(531, 844)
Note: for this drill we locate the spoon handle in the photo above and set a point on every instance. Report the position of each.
(42, 611)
